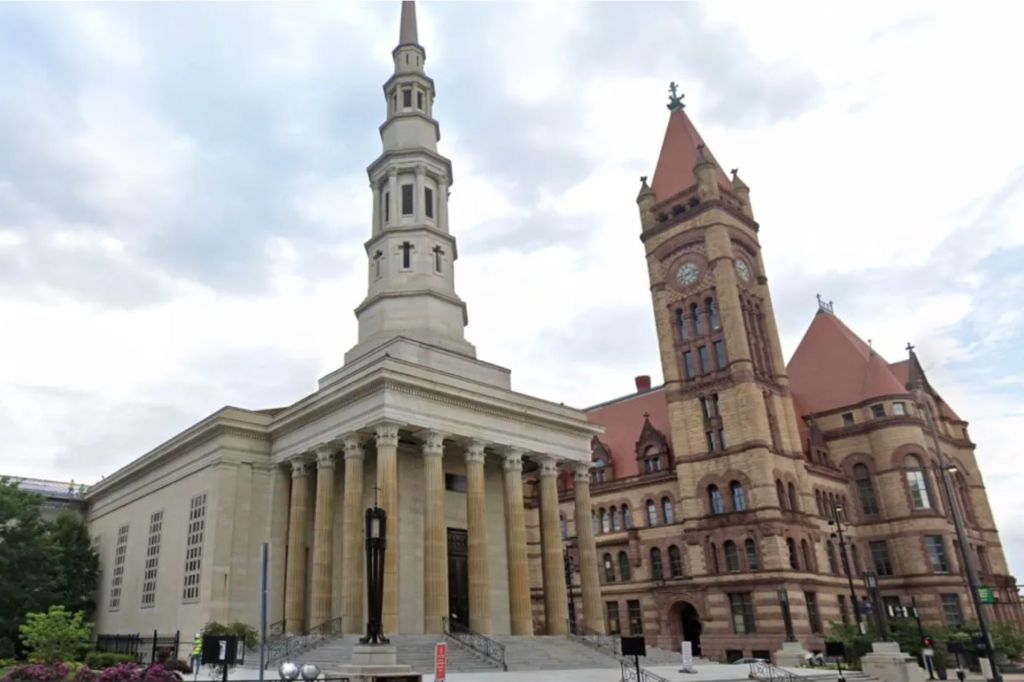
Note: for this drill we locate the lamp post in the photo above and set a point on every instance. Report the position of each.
(787, 617)
(568, 586)
(376, 539)
(871, 584)
(837, 522)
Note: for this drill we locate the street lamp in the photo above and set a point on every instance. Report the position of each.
(376, 539)
(787, 617)
(837, 522)
(871, 583)
(568, 585)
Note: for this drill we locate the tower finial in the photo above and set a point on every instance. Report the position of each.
(675, 101)
(407, 34)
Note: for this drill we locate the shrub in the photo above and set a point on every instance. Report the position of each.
(38, 673)
(130, 672)
(56, 635)
(98, 660)
(177, 666)
(244, 632)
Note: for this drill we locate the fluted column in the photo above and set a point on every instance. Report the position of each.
(442, 204)
(352, 555)
(593, 619)
(515, 537)
(476, 523)
(556, 604)
(435, 540)
(378, 217)
(320, 602)
(387, 485)
(417, 200)
(295, 576)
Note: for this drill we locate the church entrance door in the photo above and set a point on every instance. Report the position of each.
(458, 577)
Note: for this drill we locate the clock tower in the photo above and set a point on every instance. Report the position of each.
(729, 405)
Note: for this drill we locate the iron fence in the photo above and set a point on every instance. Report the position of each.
(145, 649)
(482, 644)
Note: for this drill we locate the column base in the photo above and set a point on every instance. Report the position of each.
(372, 662)
(791, 655)
(887, 663)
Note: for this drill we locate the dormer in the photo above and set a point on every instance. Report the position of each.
(652, 451)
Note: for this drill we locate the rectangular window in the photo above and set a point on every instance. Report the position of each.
(117, 575)
(951, 610)
(387, 207)
(812, 611)
(156, 522)
(742, 606)
(688, 364)
(843, 613)
(720, 358)
(407, 199)
(899, 408)
(710, 436)
(880, 557)
(936, 553)
(721, 439)
(612, 607)
(428, 201)
(709, 405)
(407, 98)
(419, 100)
(455, 482)
(878, 411)
(847, 418)
(194, 548)
(705, 359)
(636, 621)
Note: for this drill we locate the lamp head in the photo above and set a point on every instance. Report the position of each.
(309, 672)
(288, 670)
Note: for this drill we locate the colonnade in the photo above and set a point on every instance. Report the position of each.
(435, 552)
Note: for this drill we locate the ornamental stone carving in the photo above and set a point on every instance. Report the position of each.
(386, 433)
(353, 447)
(433, 443)
(475, 451)
(512, 459)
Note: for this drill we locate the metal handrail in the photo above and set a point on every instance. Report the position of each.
(609, 645)
(763, 671)
(482, 644)
(630, 673)
(285, 645)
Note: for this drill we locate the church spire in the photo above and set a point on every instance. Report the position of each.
(407, 31)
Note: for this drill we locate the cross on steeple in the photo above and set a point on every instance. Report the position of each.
(910, 347)
(376, 263)
(406, 248)
(675, 101)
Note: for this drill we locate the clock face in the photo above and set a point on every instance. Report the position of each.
(743, 270)
(687, 274)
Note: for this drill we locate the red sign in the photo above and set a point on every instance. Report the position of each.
(440, 661)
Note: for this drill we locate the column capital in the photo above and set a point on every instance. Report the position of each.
(353, 446)
(475, 450)
(512, 459)
(386, 433)
(421, 171)
(325, 455)
(548, 465)
(300, 467)
(392, 172)
(433, 443)
(581, 473)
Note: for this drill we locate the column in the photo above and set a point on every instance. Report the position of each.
(556, 602)
(593, 619)
(435, 536)
(295, 576)
(378, 216)
(417, 198)
(394, 203)
(515, 537)
(387, 485)
(442, 204)
(352, 555)
(476, 526)
(320, 601)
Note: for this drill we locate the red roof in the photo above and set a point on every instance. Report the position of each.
(623, 419)
(902, 371)
(674, 172)
(833, 368)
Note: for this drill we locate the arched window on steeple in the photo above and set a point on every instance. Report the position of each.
(712, 310)
(684, 329)
(698, 322)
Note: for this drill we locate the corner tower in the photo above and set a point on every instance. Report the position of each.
(410, 253)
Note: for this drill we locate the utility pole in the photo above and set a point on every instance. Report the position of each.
(837, 522)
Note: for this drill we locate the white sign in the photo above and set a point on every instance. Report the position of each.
(687, 653)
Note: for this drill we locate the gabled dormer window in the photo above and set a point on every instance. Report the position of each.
(652, 450)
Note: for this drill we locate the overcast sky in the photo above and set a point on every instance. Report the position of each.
(183, 198)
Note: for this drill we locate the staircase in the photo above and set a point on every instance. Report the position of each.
(416, 651)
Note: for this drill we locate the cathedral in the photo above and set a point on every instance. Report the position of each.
(687, 510)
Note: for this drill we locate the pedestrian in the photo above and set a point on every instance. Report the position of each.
(197, 654)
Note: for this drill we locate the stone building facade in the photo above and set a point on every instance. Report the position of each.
(712, 494)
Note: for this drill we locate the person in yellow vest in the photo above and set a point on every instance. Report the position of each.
(197, 654)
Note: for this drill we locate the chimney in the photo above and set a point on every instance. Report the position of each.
(643, 383)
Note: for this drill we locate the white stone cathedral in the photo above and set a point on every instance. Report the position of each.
(413, 419)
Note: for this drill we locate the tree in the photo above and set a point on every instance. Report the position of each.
(57, 635)
(77, 564)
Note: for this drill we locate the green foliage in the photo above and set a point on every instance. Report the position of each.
(856, 644)
(246, 633)
(77, 563)
(98, 660)
(56, 635)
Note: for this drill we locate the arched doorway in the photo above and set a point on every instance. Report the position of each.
(690, 624)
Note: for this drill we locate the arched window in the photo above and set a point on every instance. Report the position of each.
(684, 329)
(657, 570)
(715, 500)
(616, 519)
(627, 517)
(609, 569)
(698, 321)
(675, 562)
(713, 320)
(732, 557)
(564, 527)
(623, 566)
(597, 472)
(713, 564)
(605, 522)
(666, 510)
(780, 490)
(817, 501)
(652, 513)
(916, 482)
(751, 549)
(856, 560)
(593, 522)
(865, 491)
(805, 549)
(791, 547)
(794, 501)
(739, 498)
(830, 550)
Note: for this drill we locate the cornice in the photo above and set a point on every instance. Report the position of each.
(704, 207)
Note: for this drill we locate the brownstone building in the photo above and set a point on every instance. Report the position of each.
(712, 493)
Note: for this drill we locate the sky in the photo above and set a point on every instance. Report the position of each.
(183, 198)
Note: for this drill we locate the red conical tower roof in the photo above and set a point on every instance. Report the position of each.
(674, 172)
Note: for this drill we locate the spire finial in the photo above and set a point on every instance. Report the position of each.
(910, 348)
(407, 34)
(824, 306)
(675, 101)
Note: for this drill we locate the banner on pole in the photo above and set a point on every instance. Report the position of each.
(440, 661)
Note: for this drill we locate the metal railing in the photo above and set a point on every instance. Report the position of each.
(145, 649)
(630, 673)
(763, 671)
(283, 646)
(481, 644)
(610, 645)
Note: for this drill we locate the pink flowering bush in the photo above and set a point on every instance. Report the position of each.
(43, 672)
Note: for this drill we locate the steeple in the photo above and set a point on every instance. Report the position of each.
(410, 253)
(680, 153)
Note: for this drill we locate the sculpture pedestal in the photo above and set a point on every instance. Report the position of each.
(791, 655)
(371, 662)
(889, 664)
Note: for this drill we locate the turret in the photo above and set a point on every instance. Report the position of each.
(704, 172)
(742, 192)
(645, 200)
